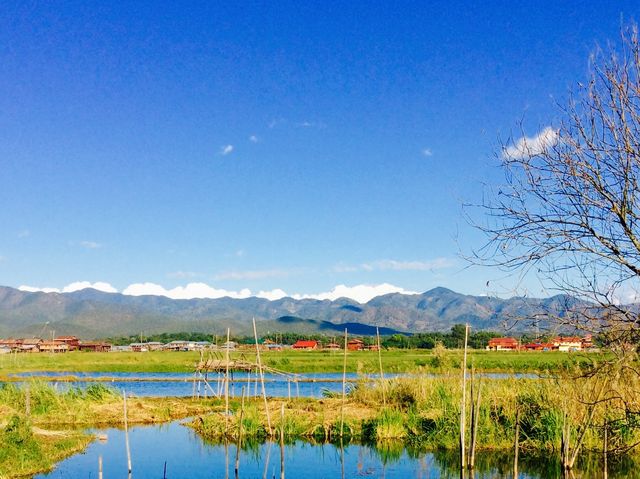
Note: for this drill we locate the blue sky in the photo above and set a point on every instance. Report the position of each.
(273, 145)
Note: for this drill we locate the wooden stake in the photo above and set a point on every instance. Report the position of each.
(226, 386)
(126, 432)
(463, 401)
(475, 415)
(239, 443)
(282, 441)
(344, 384)
(100, 467)
(516, 444)
(384, 396)
(264, 392)
(605, 448)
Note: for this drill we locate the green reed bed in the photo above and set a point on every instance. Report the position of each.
(425, 412)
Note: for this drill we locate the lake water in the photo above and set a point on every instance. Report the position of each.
(188, 456)
(312, 385)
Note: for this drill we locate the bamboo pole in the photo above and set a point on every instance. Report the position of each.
(226, 386)
(384, 396)
(264, 392)
(516, 444)
(239, 443)
(126, 432)
(344, 382)
(475, 415)
(282, 441)
(605, 447)
(463, 402)
(100, 467)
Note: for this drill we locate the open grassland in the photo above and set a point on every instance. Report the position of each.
(396, 360)
(39, 426)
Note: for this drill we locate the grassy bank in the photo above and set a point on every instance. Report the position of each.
(40, 426)
(397, 360)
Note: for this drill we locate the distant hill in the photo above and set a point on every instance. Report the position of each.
(90, 313)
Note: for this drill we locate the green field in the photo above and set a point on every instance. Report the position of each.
(395, 360)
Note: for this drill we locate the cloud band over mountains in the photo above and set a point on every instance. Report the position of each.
(361, 293)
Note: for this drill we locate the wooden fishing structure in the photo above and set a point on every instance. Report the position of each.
(213, 374)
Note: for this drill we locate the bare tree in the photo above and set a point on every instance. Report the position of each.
(570, 206)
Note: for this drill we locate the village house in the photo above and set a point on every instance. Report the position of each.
(305, 344)
(94, 346)
(568, 343)
(70, 341)
(333, 347)
(355, 345)
(11, 344)
(53, 347)
(538, 346)
(503, 344)
(30, 345)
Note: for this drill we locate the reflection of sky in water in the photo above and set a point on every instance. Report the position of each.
(187, 456)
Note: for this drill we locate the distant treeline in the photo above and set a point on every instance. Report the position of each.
(450, 340)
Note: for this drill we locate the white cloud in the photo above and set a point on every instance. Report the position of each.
(526, 147)
(272, 295)
(361, 293)
(190, 291)
(254, 139)
(427, 152)
(90, 244)
(252, 275)
(225, 150)
(70, 288)
(79, 285)
(34, 289)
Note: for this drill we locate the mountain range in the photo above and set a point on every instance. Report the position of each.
(94, 314)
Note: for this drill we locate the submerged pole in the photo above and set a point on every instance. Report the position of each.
(126, 432)
(100, 467)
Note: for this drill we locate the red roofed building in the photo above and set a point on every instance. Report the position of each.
(305, 344)
(503, 344)
(71, 341)
(539, 347)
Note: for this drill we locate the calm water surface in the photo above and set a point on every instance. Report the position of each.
(181, 384)
(187, 456)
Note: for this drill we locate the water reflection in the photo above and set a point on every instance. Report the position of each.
(186, 455)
